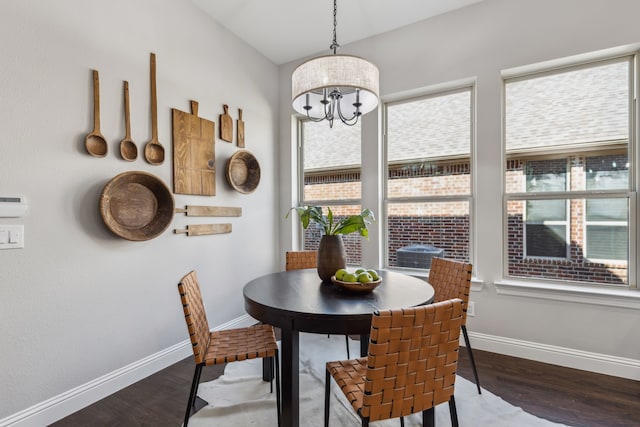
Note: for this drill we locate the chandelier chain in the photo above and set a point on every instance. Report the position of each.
(335, 88)
(334, 46)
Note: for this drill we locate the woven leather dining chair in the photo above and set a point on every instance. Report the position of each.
(410, 368)
(224, 346)
(452, 279)
(298, 260)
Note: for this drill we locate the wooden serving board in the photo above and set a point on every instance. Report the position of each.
(191, 210)
(240, 129)
(226, 125)
(204, 229)
(194, 169)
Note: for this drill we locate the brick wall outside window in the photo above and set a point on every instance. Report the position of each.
(446, 225)
(575, 267)
(448, 232)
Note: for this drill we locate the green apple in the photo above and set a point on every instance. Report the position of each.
(364, 277)
(360, 270)
(349, 277)
(374, 274)
(340, 273)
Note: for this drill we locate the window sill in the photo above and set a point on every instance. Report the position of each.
(613, 297)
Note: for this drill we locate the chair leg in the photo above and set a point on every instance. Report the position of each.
(473, 362)
(401, 421)
(346, 337)
(271, 374)
(193, 393)
(278, 404)
(453, 412)
(429, 417)
(327, 394)
(365, 422)
(267, 369)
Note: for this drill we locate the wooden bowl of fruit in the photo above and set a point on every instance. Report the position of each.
(361, 280)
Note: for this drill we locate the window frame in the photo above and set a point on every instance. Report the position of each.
(528, 72)
(586, 240)
(567, 209)
(450, 88)
(301, 178)
(600, 223)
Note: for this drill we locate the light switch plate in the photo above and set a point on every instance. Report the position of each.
(14, 236)
(471, 309)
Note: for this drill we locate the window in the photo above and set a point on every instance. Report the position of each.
(546, 223)
(606, 220)
(568, 191)
(428, 188)
(330, 173)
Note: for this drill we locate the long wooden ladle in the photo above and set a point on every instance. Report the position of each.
(128, 148)
(94, 142)
(154, 151)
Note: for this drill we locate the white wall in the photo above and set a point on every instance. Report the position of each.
(477, 42)
(77, 302)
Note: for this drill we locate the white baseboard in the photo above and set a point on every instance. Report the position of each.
(58, 407)
(66, 403)
(555, 355)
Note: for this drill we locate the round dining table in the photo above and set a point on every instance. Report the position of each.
(298, 301)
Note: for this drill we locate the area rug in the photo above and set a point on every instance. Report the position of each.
(240, 397)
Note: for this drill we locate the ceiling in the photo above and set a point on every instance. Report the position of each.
(285, 30)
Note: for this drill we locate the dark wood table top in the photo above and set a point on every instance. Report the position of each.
(299, 300)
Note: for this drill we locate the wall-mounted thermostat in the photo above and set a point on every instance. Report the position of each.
(12, 206)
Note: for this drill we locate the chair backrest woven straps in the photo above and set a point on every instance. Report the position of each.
(412, 361)
(195, 315)
(451, 279)
(301, 259)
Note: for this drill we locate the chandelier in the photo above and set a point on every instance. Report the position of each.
(335, 86)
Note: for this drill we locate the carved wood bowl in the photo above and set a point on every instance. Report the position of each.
(136, 206)
(356, 286)
(243, 172)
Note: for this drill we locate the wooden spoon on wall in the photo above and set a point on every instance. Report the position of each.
(154, 151)
(128, 149)
(95, 143)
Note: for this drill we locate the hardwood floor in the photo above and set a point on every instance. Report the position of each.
(569, 396)
(562, 395)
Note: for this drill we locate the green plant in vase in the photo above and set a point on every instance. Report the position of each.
(331, 252)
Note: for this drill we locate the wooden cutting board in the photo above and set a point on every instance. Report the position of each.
(240, 129)
(226, 125)
(194, 169)
(191, 210)
(204, 229)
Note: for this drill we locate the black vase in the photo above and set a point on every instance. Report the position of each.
(331, 256)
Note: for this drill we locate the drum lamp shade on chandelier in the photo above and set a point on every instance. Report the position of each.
(335, 86)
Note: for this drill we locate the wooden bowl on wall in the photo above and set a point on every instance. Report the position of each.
(136, 206)
(243, 172)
